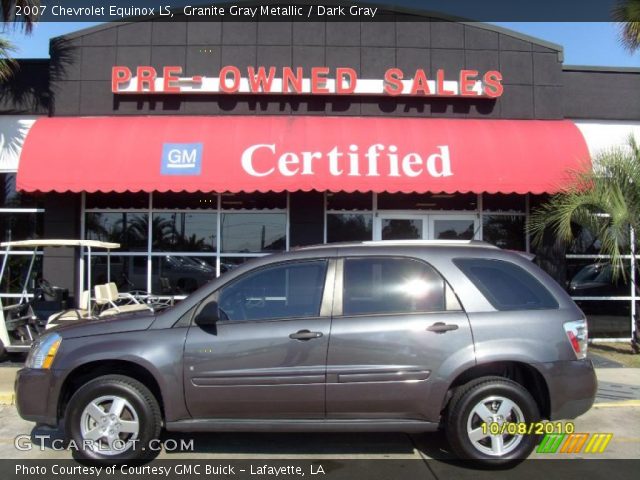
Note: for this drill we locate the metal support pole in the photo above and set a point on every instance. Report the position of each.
(632, 238)
(89, 277)
(4, 262)
(23, 295)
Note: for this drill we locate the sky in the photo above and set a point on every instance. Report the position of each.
(585, 43)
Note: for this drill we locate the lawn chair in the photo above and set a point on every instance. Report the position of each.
(111, 301)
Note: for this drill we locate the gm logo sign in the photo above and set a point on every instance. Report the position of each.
(181, 159)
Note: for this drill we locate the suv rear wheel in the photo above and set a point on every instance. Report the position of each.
(113, 418)
(478, 417)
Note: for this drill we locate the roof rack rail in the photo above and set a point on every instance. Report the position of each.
(373, 243)
(478, 243)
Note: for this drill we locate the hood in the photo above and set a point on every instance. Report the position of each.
(115, 324)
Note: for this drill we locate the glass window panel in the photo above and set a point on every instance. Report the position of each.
(584, 241)
(391, 285)
(11, 198)
(349, 201)
(183, 200)
(184, 232)
(229, 263)
(594, 278)
(503, 202)
(128, 229)
(292, 290)
(607, 318)
(504, 231)
(254, 201)
(427, 201)
(401, 229)
(16, 271)
(349, 227)
(20, 226)
(452, 229)
(253, 232)
(127, 272)
(506, 285)
(117, 200)
(535, 201)
(180, 275)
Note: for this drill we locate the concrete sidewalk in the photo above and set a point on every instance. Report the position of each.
(616, 386)
(7, 377)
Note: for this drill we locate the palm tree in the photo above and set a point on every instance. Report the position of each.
(628, 13)
(7, 64)
(7, 13)
(162, 230)
(606, 202)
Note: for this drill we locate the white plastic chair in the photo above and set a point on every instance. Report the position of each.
(107, 296)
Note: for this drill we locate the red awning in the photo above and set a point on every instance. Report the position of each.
(285, 153)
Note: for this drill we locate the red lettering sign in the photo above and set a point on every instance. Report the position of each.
(224, 72)
(493, 84)
(319, 80)
(146, 78)
(169, 78)
(286, 80)
(467, 82)
(119, 76)
(393, 81)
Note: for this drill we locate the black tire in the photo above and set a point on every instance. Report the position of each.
(460, 409)
(3, 352)
(140, 400)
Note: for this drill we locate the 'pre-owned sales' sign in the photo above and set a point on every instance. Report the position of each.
(313, 81)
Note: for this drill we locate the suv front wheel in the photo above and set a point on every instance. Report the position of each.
(483, 418)
(113, 418)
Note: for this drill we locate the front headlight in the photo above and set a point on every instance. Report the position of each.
(44, 351)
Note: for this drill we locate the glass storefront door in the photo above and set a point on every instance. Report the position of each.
(411, 226)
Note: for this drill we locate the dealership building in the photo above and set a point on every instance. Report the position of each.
(200, 145)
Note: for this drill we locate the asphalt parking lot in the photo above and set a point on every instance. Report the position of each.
(621, 420)
(617, 411)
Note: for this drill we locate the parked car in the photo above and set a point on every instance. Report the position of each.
(373, 336)
(597, 280)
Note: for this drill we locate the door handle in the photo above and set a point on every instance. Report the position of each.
(305, 335)
(441, 327)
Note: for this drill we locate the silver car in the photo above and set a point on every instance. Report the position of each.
(373, 336)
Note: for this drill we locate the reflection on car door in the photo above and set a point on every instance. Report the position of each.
(395, 324)
(266, 357)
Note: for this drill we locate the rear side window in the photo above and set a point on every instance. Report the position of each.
(506, 285)
(391, 285)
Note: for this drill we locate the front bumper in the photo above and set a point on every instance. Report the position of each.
(37, 395)
(572, 387)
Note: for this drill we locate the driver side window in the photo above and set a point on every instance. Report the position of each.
(291, 290)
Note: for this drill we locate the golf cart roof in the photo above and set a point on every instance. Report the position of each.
(59, 243)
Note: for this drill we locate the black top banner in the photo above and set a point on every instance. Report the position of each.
(304, 11)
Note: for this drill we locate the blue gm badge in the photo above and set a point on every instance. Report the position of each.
(181, 159)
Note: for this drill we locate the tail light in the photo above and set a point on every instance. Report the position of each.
(578, 336)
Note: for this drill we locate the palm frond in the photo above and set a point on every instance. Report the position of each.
(7, 64)
(627, 12)
(605, 201)
(25, 22)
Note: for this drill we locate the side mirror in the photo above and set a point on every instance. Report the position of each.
(208, 316)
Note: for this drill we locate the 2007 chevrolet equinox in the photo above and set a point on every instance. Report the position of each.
(373, 336)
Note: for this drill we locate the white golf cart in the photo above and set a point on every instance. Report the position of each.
(48, 305)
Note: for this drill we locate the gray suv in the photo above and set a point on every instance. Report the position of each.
(373, 336)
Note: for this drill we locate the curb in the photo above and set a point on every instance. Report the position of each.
(7, 398)
(622, 403)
